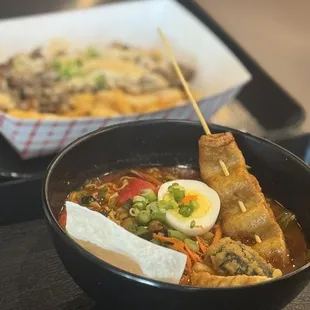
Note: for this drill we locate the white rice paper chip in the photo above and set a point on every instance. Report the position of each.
(112, 243)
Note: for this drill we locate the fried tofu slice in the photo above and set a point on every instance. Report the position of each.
(240, 185)
(205, 279)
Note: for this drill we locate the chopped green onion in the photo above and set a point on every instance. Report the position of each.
(208, 236)
(178, 195)
(162, 210)
(134, 212)
(143, 218)
(140, 199)
(100, 82)
(69, 69)
(174, 186)
(152, 207)
(193, 246)
(162, 203)
(141, 230)
(186, 210)
(139, 205)
(167, 204)
(176, 234)
(195, 204)
(172, 204)
(149, 195)
(85, 200)
(284, 219)
(91, 52)
(193, 223)
(177, 191)
(161, 217)
(102, 192)
(167, 197)
(139, 202)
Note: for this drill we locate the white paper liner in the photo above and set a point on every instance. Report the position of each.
(156, 262)
(220, 75)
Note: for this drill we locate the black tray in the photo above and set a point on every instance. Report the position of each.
(12, 167)
(266, 101)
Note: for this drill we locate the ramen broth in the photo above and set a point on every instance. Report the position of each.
(92, 195)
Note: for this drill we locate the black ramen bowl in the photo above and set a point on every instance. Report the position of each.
(169, 143)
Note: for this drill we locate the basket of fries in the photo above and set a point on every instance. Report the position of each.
(61, 82)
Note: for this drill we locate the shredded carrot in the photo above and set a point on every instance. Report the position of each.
(193, 256)
(178, 248)
(202, 246)
(181, 247)
(172, 240)
(187, 199)
(218, 234)
(189, 265)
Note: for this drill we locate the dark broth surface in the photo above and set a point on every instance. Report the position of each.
(115, 181)
(295, 240)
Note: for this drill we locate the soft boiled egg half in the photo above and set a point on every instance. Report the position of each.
(197, 207)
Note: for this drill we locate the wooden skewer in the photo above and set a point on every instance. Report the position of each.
(258, 239)
(224, 168)
(199, 114)
(242, 206)
(189, 93)
(185, 85)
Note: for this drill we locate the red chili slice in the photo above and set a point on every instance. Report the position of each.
(63, 219)
(134, 188)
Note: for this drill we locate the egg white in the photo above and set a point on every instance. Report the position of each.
(206, 215)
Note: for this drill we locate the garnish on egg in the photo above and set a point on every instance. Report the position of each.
(190, 206)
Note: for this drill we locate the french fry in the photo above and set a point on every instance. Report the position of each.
(122, 104)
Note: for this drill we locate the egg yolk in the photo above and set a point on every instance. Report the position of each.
(201, 211)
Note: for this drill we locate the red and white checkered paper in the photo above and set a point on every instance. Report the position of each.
(219, 75)
(34, 138)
